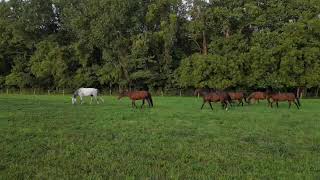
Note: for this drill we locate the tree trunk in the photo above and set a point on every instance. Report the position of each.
(204, 43)
(317, 91)
(110, 88)
(227, 33)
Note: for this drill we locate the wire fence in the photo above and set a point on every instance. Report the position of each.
(311, 93)
(104, 92)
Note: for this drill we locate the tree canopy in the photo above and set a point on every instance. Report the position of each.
(160, 44)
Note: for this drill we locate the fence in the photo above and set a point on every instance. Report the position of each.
(308, 93)
(68, 92)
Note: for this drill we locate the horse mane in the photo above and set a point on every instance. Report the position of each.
(76, 93)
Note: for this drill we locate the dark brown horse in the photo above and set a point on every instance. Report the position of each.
(256, 96)
(237, 96)
(218, 96)
(290, 97)
(137, 95)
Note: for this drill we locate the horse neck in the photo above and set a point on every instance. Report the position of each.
(203, 93)
(75, 94)
(126, 94)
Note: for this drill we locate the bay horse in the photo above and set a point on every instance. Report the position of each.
(278, 97)
(137, 95)
(256, 96)
(81, 92)
(238, 96)
(217, 96)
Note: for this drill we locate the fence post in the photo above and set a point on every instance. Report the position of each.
(34, 91)
(110, 88)
(48, 92)
(161, 92)
(7, 91)
(180, 92)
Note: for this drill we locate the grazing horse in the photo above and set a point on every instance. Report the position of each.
(81, 92)
(238, 96)
(137, 95)
(290, 97)
(218, 96)
(256, 96)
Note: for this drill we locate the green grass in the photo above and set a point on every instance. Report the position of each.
(45, 137)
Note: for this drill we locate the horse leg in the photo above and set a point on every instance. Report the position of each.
(289, 104)
(149, 103)
(296, 104)
(142, 103)
(95, 97)
(223, 104)
(210, 105)
(81, 100)
(271, 103)
(277, 104)
(91, 100)
(226, 105)
(204, 102)
(133, 104)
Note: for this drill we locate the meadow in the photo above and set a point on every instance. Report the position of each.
(45, 137)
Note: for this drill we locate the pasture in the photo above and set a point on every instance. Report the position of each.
(46, 136)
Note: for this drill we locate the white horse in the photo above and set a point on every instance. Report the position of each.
(81, 92)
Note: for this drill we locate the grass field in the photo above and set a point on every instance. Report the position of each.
(45, 137)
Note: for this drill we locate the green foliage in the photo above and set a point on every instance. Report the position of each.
(208, 71)
(161, 44)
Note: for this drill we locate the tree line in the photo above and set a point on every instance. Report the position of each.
(160, 44)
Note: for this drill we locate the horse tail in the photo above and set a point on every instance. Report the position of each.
(98, 95)
(150, 99)
(297, 97)
(228, 98)
(245, 97)
(249, 98)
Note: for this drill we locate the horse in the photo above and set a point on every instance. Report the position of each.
(290, 97)
(256, 96)
(137, 95)
(218, 96)
(238, 96)
(81, 92)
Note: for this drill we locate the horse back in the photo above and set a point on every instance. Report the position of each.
(87, 91)
(213, 97)
(137, 95)
(283, 96)
(236, 95)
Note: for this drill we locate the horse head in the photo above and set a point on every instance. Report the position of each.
(74, 97)
(122, 94)
(201, 92)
